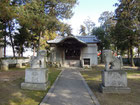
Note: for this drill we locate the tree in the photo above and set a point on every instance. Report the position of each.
(7, 16)
(21, 40)
(138, 51)
(106, 21)
(103, 32)
(1, 34)
(32, 16)
(82, 30)
(89, 24)
(47, 36)
(106, 18)
(118, 38)
(39, 16)
(128, 19)
(65, 30)
(105, 41)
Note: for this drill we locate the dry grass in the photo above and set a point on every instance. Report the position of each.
(12, 94)
(93, 78)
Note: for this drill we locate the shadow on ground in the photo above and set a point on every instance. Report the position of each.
(11, 92)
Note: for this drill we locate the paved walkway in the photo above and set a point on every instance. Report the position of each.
(69, 90)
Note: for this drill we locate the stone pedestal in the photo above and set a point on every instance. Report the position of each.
(35, 79)
(4, 66)
(19, 65)
(114, 81)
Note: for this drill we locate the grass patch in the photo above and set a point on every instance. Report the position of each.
(15, 69)
(93, 78)
(12, 94)
(53, 73)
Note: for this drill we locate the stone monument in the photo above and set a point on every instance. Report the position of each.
(114, 79)
(36, 76)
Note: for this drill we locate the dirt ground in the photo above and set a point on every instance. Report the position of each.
(93, 78)
(11, 75)
(11, 92)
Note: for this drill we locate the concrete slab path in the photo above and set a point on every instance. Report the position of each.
(69, 90)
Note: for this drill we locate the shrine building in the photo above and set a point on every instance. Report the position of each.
(78, 51)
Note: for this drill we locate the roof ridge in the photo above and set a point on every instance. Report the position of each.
(85, 39)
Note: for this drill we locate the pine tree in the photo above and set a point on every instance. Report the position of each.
(7, 16)
(105, 42)
(39, 16)
(128, 24)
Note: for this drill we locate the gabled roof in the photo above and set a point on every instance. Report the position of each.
(82, 39)
(71, 37)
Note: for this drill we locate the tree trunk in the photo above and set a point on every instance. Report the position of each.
(4, 45)
(132, 61)
(12, 43)
(117, 52)
(40, 34)
(34, 50)
(22, 54)
(128, 54)
(138, 52)
(4, 33)
(12, 46)
(22, 50)
(102, 55)
(19, 52)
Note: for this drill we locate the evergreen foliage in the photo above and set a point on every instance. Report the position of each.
(32, 19)
(126, 32)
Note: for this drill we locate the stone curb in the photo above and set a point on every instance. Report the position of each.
(49, 94)
(93, 97)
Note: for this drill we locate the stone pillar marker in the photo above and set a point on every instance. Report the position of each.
(36, 76)
(114, 79)
(4, 65)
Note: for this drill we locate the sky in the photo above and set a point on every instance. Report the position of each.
(91, 9)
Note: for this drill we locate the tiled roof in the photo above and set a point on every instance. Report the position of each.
(84, 39)
(88, 39)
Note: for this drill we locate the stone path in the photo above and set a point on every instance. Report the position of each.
(70, 89)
